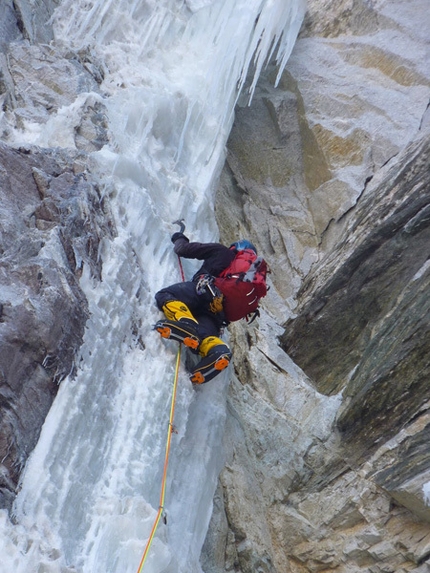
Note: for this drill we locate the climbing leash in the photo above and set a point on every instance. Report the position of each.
(170, 431)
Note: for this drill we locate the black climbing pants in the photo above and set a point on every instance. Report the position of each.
(210, 324)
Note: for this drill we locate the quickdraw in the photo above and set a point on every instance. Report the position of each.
(205, 284)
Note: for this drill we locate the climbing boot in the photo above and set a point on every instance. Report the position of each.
(216, 357)
(183, 331)
(177, 310)
(179, 324)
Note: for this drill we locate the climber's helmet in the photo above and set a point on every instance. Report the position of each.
(243, 244)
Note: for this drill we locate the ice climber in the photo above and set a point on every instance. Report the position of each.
(195, 310)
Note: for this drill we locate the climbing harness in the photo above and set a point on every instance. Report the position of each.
(204, 284)
(171, 430)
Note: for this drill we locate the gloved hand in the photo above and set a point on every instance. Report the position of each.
(178, 235)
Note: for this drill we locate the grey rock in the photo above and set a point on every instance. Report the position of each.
(34, 18)
(332, 187)
(386, 259)
(41, 80)
(52, 221)
(9, 28)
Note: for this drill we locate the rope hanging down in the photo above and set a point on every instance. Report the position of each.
(166, 462)
(169, 436)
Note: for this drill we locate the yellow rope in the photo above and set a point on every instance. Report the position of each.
(166, 462)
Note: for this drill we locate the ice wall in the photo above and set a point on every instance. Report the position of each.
(172, 73)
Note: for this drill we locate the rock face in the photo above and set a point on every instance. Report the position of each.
(51, 224)
(327, 465)
(52, 221)
(373, 306)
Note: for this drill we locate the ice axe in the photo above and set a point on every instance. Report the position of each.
(181, 223)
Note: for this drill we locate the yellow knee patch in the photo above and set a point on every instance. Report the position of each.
(208, 343)
(175, 310)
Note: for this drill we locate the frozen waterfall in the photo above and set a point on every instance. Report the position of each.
(172, 74)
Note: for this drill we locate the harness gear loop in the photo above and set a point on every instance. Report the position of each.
(205, 284)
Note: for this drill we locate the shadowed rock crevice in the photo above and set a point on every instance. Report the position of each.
(364, 325)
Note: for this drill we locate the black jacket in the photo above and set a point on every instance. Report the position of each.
(216, 257)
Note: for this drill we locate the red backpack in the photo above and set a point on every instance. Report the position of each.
(243, 284)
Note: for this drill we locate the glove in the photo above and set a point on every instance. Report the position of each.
(178, 235)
